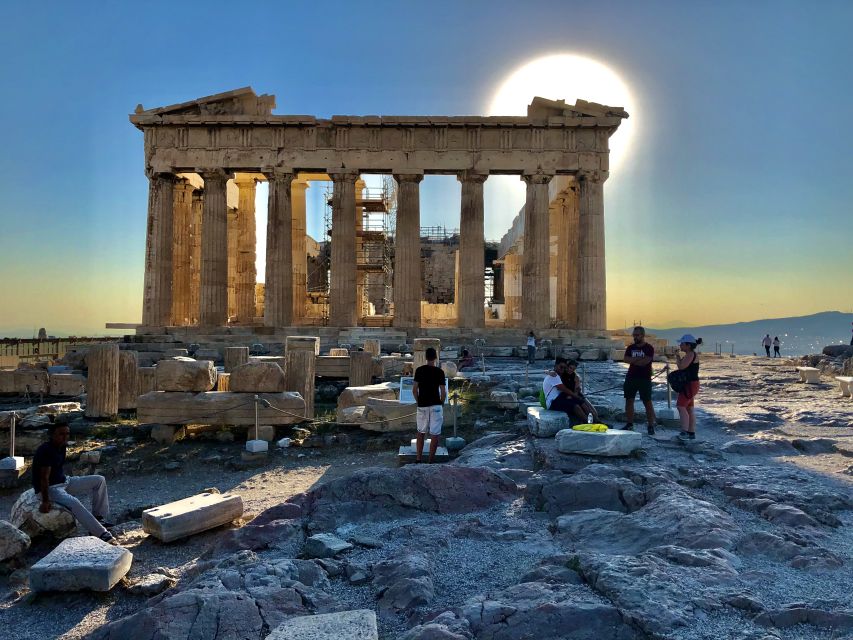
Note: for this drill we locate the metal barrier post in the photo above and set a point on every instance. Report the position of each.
(454, 405)
(257, 399)
(668, 388)
(12, 436)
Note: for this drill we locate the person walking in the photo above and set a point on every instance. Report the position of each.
(430, 394)
(689, 363)
(767, 343)
(639, 357)
(50, 482)
(531, 348)
(776, 346)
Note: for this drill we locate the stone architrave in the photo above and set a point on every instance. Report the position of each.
(300, 251)
(246, 250)
(182, 253)
(218, 408)
(102, 384)
(360, 368)
(407, 252)
(234, 357)
(128, 367)
(157, 294)
(592, 285)
(343, 311)
(300, 366)
(419, 351)
(535, 287)
(278, 287)
(471, 285)
(213, 295)
(192, 515)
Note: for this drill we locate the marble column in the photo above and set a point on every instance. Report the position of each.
(195, 254)
(157, 294)
(213, 294)
(407, 252)
(246, 249)
(572, 252)
(512, 289)
(592, 279)
(182, 249)
(231, 232)
(342, 289)
(278, 288)
(535, 287)
(471, 285)
(300, 251)
(361, 259)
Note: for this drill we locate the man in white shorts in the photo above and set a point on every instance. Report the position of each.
(430, 394)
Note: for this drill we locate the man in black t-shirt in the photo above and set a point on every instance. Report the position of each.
(638, 379)
(430, 393)
(50, 483)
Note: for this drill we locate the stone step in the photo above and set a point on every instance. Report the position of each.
(79, 564)
(191, 515)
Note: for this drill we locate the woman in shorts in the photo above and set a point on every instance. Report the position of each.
(689, 363)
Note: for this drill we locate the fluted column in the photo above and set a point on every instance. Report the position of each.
(592, 286)
(278, 288)
(535, 289)
(213, 294)
(342, 289)
(407, 252)
(471, 286)
(300, 252)
(361, 260)
(157, 293)
(182, 249)
(246, 249)
(231, 232)
(195, 254)
(572, 250)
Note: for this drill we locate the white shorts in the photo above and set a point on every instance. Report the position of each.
(430, 419)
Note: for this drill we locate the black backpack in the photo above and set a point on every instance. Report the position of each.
(677, 380)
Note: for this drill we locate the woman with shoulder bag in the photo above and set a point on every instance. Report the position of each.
(689, 365)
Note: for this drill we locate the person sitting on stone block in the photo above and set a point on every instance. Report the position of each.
(562, 392)
(467, 360)
(50, 482)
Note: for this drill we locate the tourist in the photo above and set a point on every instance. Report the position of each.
(767, 343)
(467, 360)
(571, 380)
(689, 363)
(639, 357)
(430, 393)
(531, 347)
(776, 345)
(50, 481)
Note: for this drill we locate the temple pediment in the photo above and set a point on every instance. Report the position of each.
(542, 108)
(239, 102)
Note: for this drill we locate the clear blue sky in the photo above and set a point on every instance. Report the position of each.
(739, 191)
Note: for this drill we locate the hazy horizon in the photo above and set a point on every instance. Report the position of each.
(731, 202)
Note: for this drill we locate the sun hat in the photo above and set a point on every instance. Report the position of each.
(688, 338)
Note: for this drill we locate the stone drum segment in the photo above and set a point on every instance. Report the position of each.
(81, 563)
(191, 515)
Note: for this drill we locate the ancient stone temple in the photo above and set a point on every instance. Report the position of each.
(204, 159)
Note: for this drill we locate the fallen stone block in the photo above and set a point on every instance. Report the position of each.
(184, 374)
(218, 408)
(211, 355)
(504, 399)
(7, 381)
(191, 515)
(389, 415)
(544, 423)
(67, 384)
(13, 541)
(79, 564)
(27, 517)
(357, 396)
(359, 624)
(35, 381)
(325, 545)
(257, 377)
(612, 442)
(352, 415)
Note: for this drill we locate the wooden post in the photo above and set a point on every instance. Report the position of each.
(300, 367)
(102, 384)
(234, 357)
(360, 368)
(128, 366)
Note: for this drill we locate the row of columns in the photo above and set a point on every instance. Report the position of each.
(174, 252)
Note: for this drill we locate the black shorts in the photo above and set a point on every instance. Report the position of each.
(633, 386)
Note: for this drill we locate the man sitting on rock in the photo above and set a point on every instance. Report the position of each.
(562, 392)
(430, 393)
(50, 482)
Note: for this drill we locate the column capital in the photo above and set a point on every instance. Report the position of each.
(408, 177)
(472, 176)
(591, 175)
(160, 175)
(537, 178)
(300, 184)
(214, 174)
(278, 173)
(245, 181)
(343, 175)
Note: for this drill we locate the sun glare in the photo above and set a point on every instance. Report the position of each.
(569, 77)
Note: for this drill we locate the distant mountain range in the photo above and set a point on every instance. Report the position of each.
(799, 335)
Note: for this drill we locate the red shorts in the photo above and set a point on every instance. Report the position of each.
(685, 397)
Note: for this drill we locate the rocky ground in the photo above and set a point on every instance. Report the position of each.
(744, 533)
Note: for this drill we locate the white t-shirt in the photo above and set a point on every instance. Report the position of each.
(767, 341)
(531, 341)
(549, 386)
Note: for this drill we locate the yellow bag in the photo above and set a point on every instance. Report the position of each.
(597, 428)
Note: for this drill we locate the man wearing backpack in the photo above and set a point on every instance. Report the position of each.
(639, 357)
